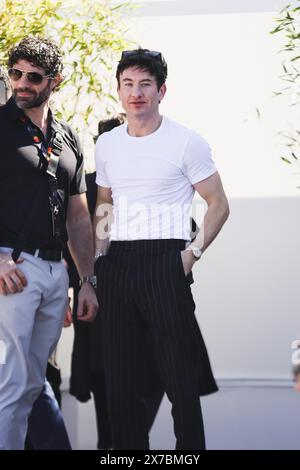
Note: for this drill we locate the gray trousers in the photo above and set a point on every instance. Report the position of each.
(30, 326)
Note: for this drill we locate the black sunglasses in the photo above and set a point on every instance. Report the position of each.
(33, 77)
(155, 54)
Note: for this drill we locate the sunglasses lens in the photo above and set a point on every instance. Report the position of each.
(14, 74)
(127, 54)
(34, 77)
(141, 52)
(155, 54)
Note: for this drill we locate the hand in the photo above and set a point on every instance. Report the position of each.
(87, 303)
(12, 280)
(68, 316)
(188, 260)
(65, 263)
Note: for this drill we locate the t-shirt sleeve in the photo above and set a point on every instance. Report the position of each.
(197, 160)
(101, 176)
(78, 185)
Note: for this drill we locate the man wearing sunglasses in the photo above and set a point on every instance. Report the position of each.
(42, 205)
(147, 174)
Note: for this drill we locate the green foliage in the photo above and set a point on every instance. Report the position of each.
(288, 25)
(91, 35)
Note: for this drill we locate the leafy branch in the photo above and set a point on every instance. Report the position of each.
(91, 34)
(288, 25)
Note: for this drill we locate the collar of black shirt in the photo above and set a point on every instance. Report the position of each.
(14, 113)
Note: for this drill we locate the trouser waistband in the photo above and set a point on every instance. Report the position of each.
(47, 255)
(147, 246)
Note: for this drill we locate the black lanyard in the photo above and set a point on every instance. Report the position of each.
(51, 154)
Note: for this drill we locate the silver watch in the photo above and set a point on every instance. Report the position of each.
(90, 279)
(98, 254)
(197, 252)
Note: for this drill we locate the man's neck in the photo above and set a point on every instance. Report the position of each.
(39, 116)
(139, 127)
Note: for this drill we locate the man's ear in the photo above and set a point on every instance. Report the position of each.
(56, 81)
(162, 92)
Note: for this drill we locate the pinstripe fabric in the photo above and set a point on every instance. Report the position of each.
(146, 302)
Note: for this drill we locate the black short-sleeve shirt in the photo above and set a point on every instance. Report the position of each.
(23, 180)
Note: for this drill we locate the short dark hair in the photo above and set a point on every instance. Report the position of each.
(140, 58)
(41, 52)
(296, 371)
(107, 125)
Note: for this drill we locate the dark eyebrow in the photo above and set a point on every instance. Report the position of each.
(126, 79)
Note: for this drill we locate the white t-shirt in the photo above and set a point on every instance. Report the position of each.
(151, 179)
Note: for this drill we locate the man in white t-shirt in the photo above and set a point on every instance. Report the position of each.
(147, 173)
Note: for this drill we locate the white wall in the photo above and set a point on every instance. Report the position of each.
(223, 64)
(221, 68)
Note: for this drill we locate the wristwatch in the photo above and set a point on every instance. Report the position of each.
(197, 252)
(98, 254)
(90, 279)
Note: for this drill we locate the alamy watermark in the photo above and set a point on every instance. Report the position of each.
(134, 221)
(296, 354)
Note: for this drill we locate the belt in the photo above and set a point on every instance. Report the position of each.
(47, 255)
(143, 247)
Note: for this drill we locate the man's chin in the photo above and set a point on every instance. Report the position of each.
(138, 113)
(25, 103)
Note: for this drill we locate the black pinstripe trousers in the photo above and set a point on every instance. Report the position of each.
(148, 308)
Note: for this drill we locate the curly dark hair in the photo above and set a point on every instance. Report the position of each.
(40, 52)
(142, 59)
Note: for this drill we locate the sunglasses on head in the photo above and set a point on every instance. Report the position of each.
(33, 77)
(142, 52)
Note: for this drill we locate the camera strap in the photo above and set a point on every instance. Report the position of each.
(51, 153)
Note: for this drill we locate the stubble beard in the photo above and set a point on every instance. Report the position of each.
(37, 98)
